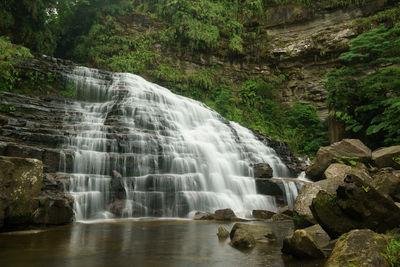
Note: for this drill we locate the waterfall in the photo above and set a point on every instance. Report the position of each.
(140, 150)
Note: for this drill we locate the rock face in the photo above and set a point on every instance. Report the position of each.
(387, 157)
(359, 248)
(243, 239)
(326, 155)
(20, 181)
(261, 233)
(357, 205)
(335, 175)
(302, 245)
(262, 170)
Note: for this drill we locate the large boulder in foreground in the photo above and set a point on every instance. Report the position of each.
(353, 148)
(302, 245)
(335, 175)
(359, 248)
(261, 233)
(356, 205)
(387, 157)
(21, 180)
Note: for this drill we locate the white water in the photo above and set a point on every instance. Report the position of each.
(175, 155)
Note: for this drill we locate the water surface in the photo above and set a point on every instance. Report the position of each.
(139, 243)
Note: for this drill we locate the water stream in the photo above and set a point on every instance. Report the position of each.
(140, 150)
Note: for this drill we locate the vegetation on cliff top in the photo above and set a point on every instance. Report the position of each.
(159, 39)
(365, 93)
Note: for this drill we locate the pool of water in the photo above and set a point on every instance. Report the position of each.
(140, 243)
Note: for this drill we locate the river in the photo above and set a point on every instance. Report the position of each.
(143, 242)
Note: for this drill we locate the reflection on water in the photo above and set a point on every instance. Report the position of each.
(139, 243)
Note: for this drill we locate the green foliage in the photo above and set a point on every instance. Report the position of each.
(366, 188)
(352, 161)
(10, 54)
(31, 23)
(392, 253)
(387, 17)
(365, 94)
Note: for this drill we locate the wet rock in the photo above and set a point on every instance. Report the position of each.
(302, 245)
(281, 217)
(224, 215)
(222, 233)
(117, 188)
(268, 187)
(243, 239)
(326, 155)
(21, 180)
(200, 215)
(262, 170)
(262, 214)
(261, 233)
(356, 205)
(117, 207)
(387, 157)
(54, 210)
(359, 248)
(276, 186)
(285, 210)
(387, 182)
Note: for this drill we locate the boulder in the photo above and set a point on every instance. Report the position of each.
(281, 217)
(200, 215)
(243, 239)
(387, 182)
(319, 235)
(337, 171)
(387, 157)
(54, 210)
(261, 233)
(359, 248)
(262, 170)
(224, 215)
(286, 210)
(219, 215)
(335, 175)
(327, 155)
(262, 214)
(302, 245)
(268, 187)
(222, 233)
(21, 180)
(356, 205)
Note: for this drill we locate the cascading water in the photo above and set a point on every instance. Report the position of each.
(140, 150)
